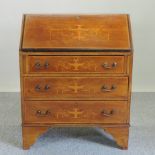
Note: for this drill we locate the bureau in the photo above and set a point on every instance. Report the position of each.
(76, 70)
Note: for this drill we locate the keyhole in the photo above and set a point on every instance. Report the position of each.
(77, 17)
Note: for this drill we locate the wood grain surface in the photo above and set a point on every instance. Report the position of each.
(76, 32)
(76, 112)
(75, 88)
(75, 64)
(76, 70)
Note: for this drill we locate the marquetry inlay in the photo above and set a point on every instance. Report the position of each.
(79, 30)
(75, 113)
(76, 64)
(80, 33)
(76, 87)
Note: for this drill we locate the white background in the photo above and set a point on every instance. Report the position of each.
(142, 14)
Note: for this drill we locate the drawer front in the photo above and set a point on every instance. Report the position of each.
(75, 64)
(76, 112)
(75, 88)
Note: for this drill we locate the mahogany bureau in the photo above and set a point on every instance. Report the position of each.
(76, 70)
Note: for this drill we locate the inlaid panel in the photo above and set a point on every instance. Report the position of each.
(76, 32)
(76, 112)
(75, 64)
(76, 88)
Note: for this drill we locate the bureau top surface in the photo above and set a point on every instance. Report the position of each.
(76, 32)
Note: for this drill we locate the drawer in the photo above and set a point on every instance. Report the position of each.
(75, 88)
(75, 112)
(75, 64)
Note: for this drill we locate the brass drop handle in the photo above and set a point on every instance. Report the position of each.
(107, 66)
(47, 87)
(43, 113)
(106, 89)
(107, 113)
(46, 65)
(39, 66)
(37, 87)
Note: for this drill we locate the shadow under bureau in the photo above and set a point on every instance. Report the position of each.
(76, 70)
